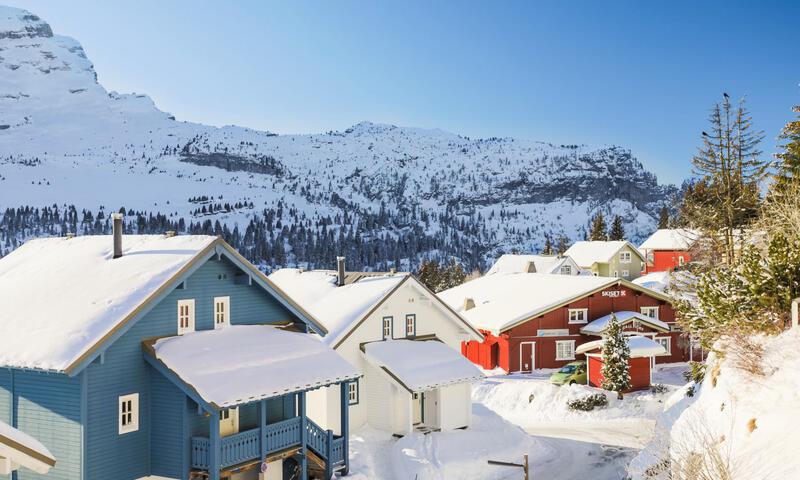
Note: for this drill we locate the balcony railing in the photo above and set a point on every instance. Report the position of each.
(244, 446)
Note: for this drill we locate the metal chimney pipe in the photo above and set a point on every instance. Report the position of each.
(117, 217)
(340, 271)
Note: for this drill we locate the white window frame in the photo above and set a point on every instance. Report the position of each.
(566, 270)
(128, 413)
(386, 329)
(616, 275)
(681, 261)
(577, 311)
(223, 320)
(625, 257)
(644, 311)
(187, 303)
(626, 273)
(563, 342)
(667, 347)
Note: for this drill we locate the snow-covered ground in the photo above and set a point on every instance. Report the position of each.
(518, 414)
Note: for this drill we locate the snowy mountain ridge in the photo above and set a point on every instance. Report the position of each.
(65, 140)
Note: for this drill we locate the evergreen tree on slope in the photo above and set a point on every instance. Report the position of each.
(788, 160)
(617, 231)
(597, 227)
(616, 353)
(663, 218)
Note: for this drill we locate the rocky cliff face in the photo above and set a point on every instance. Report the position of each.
(65, 140)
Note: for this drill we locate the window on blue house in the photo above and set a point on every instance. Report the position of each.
(185, 316)
(352, 393)
(222, 311)
(128, 413)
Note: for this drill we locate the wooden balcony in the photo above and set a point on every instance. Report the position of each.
(245, 447)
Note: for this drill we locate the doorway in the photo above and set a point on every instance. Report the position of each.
(527, 357)
(228, 422)
(419, 408)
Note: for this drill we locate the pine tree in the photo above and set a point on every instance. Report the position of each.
(597, 227)
(562, 244)
(617, 231)
(788, 160)
(430, 274)
(730, 168)
(616, 353)
(663, 218)
(548, 246)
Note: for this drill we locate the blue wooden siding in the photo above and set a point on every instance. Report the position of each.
(166, 434)
(123, 371)
(5, 402)
(48, 407)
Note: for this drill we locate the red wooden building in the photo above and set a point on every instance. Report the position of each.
(532, 320)
(644, 351)
(668, 249)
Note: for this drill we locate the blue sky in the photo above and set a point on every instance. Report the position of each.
(638, 74)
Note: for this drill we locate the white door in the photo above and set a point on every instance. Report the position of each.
(228, 422)
(417, 406)
(431, 406)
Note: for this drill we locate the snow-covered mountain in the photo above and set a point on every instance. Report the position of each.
(383, 193)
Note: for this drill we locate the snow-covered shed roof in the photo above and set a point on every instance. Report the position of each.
(598, 326)
(670, 239)
(63, 297)
(504, 300)
(512, 263)
(587, 253)
(241, 364)
(421, 365)
(658, 281)
(640, 347)
(23, 450)
(341, 308)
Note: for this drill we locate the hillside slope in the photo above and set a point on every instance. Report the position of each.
(740, 425)
(394, 193)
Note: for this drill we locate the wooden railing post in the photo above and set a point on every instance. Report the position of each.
(344, 420)
(262, 430)
(301, 401)
(214, 452)
(329, 456)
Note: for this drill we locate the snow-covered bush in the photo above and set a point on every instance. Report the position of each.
(659, 388)
(616, 353)
(588, 403)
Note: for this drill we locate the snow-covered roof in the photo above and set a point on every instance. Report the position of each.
(598, 326)
(502, 300)
(587, 253)
(337, 308)
(658, 281)
(640, 347)
(670, 239)
(511, 263)
(24, 450)
(61, 296)
(421, 365)
(244, 363)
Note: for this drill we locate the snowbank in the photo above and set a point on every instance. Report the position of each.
(747, 422)
(524, 401)
(457, 454)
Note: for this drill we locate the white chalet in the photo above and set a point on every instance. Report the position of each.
(404, 340)
(555, 264)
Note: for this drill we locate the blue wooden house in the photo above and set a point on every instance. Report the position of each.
(150, 356)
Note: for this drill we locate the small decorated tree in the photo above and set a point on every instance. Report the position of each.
(616, 353)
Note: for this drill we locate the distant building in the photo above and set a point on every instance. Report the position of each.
(668, 249)
(403, 339)
(164, 356)
(532, 320)
(618, 258)
(555, 264)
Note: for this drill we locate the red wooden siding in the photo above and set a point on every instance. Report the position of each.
(639, 371)
(504, 351)
(667, 260)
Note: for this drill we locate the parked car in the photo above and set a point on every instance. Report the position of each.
(573, 372)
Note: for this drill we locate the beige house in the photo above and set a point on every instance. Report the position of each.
(404, 340)
(617, 258)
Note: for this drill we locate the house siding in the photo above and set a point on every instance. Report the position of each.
(124, 371)
(48, 407)
(167, 432)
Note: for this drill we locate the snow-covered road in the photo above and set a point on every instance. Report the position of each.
(579, 460)
(630, 433)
